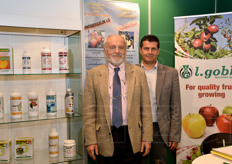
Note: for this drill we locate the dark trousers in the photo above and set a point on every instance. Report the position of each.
(123, 153)
(158, 152)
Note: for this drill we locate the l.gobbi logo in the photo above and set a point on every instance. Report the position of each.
(186, 71)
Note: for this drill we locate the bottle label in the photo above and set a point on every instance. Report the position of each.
(33, 106)
(69, 109)
(51, 103)
(46, 61)
(63, 61)
(53, 145)
(70, 151)
(16, 106)
(26, 63)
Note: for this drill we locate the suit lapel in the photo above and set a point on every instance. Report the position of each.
(130, 80)
(159, 81)
(103, 82)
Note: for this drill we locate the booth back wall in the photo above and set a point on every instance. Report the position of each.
(162, 24)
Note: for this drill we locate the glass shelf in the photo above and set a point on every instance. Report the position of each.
(78, 73)
(42, 157)
(10, 30)
(42, 116)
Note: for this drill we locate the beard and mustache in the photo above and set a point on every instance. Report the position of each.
(116, 62)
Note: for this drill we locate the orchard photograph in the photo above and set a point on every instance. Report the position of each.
(206, 37)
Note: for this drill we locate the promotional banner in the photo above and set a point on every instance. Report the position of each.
(203, 57)
(104, 18)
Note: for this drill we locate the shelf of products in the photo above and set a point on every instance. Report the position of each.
(33, 40)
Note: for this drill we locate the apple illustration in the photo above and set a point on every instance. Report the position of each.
(213, 29)
(92, 35)
(99, 39)
(194, 125)
(204, 36)
(227, 110)
(93, 42)
(206, 46)
(224, 123)
(197, 43)
(210, 114)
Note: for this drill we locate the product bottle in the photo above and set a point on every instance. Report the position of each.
(69, 149)
(63, 61)
(69, 108)
(26, 62)
(53, 143)
(46, 60)
(33, 104)
(1, 106)
(51, 103)
(16, 105)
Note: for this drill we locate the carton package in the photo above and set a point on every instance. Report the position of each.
(5, 150)
(24, 147)
(6, 61)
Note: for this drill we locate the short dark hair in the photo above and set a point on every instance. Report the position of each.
(149, 38)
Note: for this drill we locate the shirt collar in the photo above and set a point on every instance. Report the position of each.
(154, 68)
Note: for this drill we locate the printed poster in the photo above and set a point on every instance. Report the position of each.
(203, 57)
(104, 18)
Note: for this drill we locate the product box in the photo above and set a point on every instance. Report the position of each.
(24, 147)
(5, 150)
(6, 61)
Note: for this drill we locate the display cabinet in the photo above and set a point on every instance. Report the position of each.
(33, 40)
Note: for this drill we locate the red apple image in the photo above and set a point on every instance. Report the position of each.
(210, 113)
(213, 29)
(92, 35)
(204, 36)
(197, 43)
(206, 46)
(93, 42)
(224, 123)
(99, 39)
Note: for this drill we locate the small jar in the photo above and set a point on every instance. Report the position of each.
(69, 149)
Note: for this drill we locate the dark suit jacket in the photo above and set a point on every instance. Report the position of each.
(96, 109)
(168, 103)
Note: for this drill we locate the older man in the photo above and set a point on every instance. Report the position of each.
(117, 114)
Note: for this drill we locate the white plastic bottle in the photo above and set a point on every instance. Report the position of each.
(51, 103)
(16, 105)
(33, 104)
(63, 61)
(69, 108)
(53, 143)
(1, 106)
(26, 62)
(46, 60)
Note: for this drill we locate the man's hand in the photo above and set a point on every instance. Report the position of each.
(145, 147)
(172, 145)
(92, 150)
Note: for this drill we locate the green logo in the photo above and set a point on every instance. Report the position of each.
(186, 71)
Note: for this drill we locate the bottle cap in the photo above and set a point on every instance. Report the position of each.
(53, 129)
(69, 142)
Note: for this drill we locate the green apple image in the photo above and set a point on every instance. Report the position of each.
(227, 110)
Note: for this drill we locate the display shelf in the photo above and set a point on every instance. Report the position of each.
(42, 157)
(78, 73)
(9, 30)
(42, 116)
